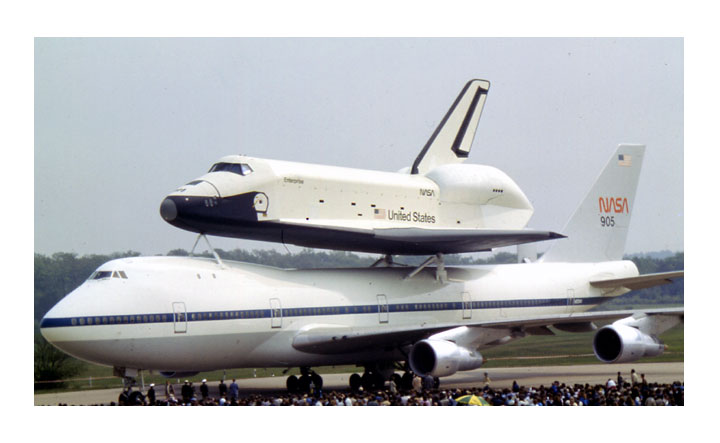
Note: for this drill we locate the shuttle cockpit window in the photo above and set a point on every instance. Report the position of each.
(235, 168)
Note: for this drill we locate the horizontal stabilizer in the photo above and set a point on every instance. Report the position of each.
(639, 282)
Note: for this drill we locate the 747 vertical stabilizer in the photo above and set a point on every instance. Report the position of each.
(598, 229)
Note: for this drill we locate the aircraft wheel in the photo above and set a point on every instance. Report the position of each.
(406, 381)
(367, 381)
(436, 382)
(378, 381)
(136, 398)
(304, 383)
(292, 383)
(317, 380)
(355, 382)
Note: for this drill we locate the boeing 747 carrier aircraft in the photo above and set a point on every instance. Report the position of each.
(182, 315)
(439, 205)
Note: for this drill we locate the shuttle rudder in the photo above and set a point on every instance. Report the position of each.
(452, 139)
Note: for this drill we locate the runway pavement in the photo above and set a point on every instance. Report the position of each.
(501, 378)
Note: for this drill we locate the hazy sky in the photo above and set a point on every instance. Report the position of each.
(120, 123)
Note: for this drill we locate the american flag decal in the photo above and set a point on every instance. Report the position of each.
(624, 160)
(379, 213)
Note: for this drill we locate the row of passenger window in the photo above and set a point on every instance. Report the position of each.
(120, 319)
(299, 312)
(226, 315)
(425, 307)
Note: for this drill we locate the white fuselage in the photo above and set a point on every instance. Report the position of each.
(190, 314)
(448, 196)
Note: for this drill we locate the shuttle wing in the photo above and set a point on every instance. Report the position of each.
(450, 241)
(410, 241)
(330, 339)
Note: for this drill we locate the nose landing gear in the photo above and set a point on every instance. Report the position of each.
(129, 397)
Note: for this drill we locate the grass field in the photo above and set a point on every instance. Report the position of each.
(562, 349)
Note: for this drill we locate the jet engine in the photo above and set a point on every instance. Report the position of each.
(439, 358)
(619, 343)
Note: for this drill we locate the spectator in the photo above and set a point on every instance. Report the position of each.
(204, 389)
(417, 384)
(222, 389)
(234, 390)
(151, 394)
(186, 392)
(169, 390)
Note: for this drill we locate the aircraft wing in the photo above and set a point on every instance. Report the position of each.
(327, 339)
(583, 317)
(409, 241)
(331, 339)
(640, 282)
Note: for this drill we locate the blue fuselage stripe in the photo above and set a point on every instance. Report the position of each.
(248, 314)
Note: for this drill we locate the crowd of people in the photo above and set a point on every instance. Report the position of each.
(615, 392)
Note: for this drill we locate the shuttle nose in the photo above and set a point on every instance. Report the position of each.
(168, 210)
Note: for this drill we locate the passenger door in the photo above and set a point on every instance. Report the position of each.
(466, 306)
(570, 299)
(383, 310)
(179, 317)
(275, 313)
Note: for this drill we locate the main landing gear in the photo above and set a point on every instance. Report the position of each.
(309, 381)
(375, 377)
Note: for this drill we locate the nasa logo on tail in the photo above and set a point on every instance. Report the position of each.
(612, 205)
(617, 205)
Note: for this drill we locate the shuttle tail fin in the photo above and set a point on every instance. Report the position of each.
(598, 229)
(452, 139)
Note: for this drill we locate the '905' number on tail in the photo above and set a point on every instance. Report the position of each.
(607, 221)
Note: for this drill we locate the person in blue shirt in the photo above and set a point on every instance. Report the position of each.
(234, 390)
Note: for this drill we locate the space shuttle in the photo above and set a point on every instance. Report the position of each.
(437, 206)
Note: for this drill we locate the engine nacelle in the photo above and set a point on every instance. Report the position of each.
(618, 343)
(440, 358)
